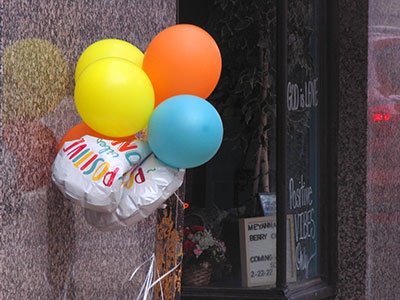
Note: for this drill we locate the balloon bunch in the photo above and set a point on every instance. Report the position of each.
(103, 163)
(119, 91)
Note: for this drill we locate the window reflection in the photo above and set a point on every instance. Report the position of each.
(384, 105)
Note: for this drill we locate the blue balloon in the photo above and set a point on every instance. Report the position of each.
(185, 131)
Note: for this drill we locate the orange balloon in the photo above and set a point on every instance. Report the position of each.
(82, 129)
(182, 60)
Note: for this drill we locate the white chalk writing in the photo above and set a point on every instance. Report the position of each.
(302, 96)
(301, 200)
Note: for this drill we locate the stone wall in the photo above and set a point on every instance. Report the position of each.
(368, 149)
(352, 142)
(383, 185)
(47, 249)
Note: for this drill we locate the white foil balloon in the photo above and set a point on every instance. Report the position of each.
(147, 187)
(117, 183)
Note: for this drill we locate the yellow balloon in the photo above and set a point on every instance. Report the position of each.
(108, 48)
(114, 97)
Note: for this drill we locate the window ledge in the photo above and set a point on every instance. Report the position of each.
(312, 290)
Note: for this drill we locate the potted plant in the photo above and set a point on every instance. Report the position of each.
(201, 252)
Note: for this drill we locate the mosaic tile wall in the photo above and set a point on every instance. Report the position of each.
(47, 251)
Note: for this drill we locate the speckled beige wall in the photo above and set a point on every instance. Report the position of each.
(47, 249)
(369, 150)
(351, 148)
(383, 197)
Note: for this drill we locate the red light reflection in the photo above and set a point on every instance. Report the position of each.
(378, 117)
(387, 117)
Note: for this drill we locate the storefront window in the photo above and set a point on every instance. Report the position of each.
(237, 195)
(303, 140)
(234, 195)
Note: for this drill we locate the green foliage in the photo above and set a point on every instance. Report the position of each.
(301, 32)
(245, 33)
(300, 28)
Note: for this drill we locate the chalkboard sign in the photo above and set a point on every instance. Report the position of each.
(303, 102)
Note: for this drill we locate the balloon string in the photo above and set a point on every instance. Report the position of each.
(165, 275)
(161, 289)
(137, 269)
(147, 282)
(144, 289)
(148, 285)
(179, 199)
(136, 166)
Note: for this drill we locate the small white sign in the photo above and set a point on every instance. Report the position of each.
(258, 251)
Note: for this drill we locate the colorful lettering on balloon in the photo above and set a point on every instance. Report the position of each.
(81, 154)
(136, 175)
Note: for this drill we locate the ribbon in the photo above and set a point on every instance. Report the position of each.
(148, 283)
(179, 199)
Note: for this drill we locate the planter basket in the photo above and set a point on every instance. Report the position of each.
(197, 276)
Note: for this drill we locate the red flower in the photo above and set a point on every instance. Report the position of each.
(188, 246)
(196, 228)
(186, 231)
